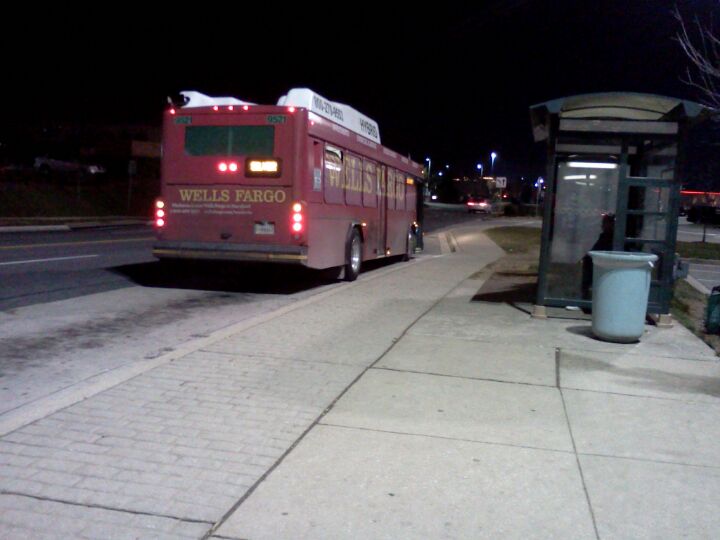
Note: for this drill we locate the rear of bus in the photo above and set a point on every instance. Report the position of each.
(229, 184)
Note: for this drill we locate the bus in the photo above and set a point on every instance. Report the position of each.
(306, 181)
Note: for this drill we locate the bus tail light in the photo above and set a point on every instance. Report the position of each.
(225, 166)
(159, 213)
(262, 167)
(298, 220)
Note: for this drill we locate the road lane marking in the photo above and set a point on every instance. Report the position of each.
(89, 242)
(694, 233)
(30, 261)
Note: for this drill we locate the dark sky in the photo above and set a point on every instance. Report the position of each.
(453, 82)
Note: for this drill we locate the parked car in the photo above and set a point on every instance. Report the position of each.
(704, 214)
(47, 165)
(479, 204)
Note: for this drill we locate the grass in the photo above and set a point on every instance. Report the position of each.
(688, 308)
(698, 250)
(685, 303)
(515, 239)
(522, 245)
(44, 198)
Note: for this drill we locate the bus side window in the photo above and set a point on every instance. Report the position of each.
(333, 175)
(411, 194)
(381, 183)
(353, 180)
(369, 192)
(400, 191)
(391, 189)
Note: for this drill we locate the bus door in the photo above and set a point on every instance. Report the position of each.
(382, 210)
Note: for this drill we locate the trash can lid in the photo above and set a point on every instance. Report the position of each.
(622, 259)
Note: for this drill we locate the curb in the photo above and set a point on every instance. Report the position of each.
(695, 284)
(73, 226)
(33, 228)
(95, 224)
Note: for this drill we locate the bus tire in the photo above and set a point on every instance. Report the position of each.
(353, 255)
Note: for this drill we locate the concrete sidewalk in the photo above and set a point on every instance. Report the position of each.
(394, 407)
(484, 423)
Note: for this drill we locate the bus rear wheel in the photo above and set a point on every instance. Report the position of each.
(353, 256)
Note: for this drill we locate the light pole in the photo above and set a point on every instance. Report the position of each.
(429, 162)
(493, 156)
(539, 186)
(479, 167)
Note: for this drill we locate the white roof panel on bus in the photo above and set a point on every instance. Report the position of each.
(196, 99)
(340, 113)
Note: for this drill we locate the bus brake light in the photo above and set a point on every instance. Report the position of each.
(297, 219)
(224, 166)
(159, 213)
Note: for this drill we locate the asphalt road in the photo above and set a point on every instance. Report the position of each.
(38, 267)
(691, 232)
(48, 266)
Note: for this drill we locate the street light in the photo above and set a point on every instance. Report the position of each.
(493, 155)
(429, 162)
(539, 186)
(479, 167)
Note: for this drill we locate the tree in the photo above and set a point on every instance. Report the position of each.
(701, 44)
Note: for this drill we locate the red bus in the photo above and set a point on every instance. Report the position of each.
(305, 181)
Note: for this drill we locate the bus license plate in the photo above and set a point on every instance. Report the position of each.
(264, 227)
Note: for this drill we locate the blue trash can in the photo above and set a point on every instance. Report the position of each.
(621, 285)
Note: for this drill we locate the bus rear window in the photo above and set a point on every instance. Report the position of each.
(229, 140)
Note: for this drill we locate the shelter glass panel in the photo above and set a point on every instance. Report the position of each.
(585, 194)
(648, 217)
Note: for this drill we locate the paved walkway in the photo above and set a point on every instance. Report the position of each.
(706, 274)
(394, 407)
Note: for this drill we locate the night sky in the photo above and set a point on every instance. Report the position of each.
(453, 82)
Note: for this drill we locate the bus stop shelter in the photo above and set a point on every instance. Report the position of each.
(614, 163)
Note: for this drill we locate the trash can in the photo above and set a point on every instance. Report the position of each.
(712, 313)
(621, 285)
